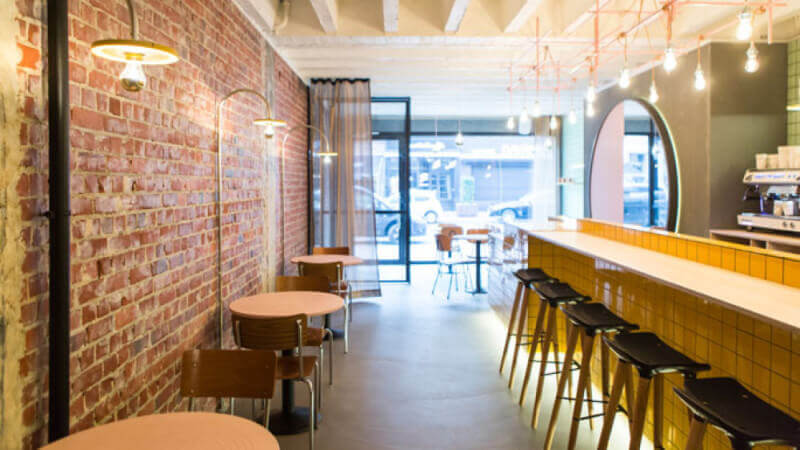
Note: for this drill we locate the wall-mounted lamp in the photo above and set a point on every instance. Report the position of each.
(269, 123)
(134, 53)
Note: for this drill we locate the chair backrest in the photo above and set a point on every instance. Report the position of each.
(443, 242)
(274, 333)
(478, 231)
(508, 242)
(330, 251)
(451, 230)
(332, 271)
(228, 373)
(305, 283)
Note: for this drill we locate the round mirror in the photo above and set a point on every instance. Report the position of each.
(633, 177)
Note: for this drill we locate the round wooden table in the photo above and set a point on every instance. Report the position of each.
(289, 420)
(478, 239)
(346, 260)
(172, 431)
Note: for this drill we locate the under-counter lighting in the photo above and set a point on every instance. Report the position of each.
(134, 53)
(751, 65)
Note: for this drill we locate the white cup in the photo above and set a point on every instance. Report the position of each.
(761, 160)
(796, 157)
(785, 157)
(772, 161)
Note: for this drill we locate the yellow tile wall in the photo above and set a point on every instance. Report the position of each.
(763, 357)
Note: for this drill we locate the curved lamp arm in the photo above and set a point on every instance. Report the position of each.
(134, 24)
(323, 136)
(219, 191)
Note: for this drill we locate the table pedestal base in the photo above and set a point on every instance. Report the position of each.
(295, 422)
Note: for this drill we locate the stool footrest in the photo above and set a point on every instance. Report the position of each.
(586, 399)
(591, 416)
(573, 369)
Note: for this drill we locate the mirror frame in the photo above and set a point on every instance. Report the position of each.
(669, 154)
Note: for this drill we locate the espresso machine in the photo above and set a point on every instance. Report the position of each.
(771, 200)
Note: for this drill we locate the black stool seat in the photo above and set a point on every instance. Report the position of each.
(530, 276)
(558, 293)
(596, 318)
(728, 405)
(651, 355)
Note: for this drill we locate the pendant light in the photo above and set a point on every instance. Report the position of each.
(437, 144)
(553, 122)
(459, 135)
(751, 65)
(510, 122)
(591, 92)
(744, 30)
(589, 109)
(572, 117)
(537, 109)
(699, 77)
(670, 58)
(653, 97)
(524, 126)
(134, 53)
(625, 74)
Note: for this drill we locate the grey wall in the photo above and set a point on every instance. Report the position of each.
(715, 132)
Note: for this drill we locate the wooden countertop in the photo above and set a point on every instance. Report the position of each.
(763, 299)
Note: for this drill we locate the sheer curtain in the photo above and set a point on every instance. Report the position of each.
(343, 203)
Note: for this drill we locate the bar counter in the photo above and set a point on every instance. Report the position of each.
(733, 306)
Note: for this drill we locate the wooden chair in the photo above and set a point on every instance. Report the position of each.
(332, 271)
(229, 373)
(316, 335)
(287, 334)
(453, 265)
(330, 251)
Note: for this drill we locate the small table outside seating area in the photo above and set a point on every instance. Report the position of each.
(478, 239)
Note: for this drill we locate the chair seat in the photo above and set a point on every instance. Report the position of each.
(559, 293)
(650, 355)
(313, 337)
(726, 404)
(596, 318)
(530, 276)
(288, 367)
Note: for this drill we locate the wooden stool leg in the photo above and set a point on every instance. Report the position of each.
(511, 321)
(630, 396)
(697, 430)
(537, 399)
(642, 396)
(587, 343)
(572, 342)
(604, 369)
(613, 402)
(589, 396)
(658, 412)
(537, 331)
(523, 317)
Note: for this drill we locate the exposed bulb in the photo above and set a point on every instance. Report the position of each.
(269, 131)
(653, 93)
(625, 78)
(699, 79)
(524, 122)
(751, 65)
(591, 93)
(326, 159)
(459, 139)
(670, 59)
(537, 109)
(553, 122)
(132, 77)
(510, 123)
(572, 117)
(589, 109)
(745, 28)
(548, 143)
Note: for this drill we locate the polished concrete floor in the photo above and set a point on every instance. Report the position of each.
(422, 374)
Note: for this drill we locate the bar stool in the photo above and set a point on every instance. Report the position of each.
(552, 295)
(746, 419)
(587, 320)
(653, 358)
(527, 278)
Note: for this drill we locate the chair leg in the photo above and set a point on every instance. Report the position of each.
(318, 378)
(697, 429)
(347, 330)
(329, 332)
(450, 286)
(523, 317)
(268, 403)
(535, 341)
(658, 412)
(436, 280)
(511, 321)
(537, 398)
(613, 402)
(312, 413)
(572, 342)
(642, 396)
(584, 378)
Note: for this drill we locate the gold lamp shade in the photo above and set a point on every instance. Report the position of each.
(269, 122)
(132, 50)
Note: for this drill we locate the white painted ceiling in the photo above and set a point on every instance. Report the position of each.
(453, 57)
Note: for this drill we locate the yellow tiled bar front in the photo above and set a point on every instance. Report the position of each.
(764, 357)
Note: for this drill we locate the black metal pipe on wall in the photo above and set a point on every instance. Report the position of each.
(59, 215)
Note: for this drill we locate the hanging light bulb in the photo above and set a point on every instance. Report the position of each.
(572, 117)
(327, 159)
(624, 78)
(751, 65)
(653, 92)
(553, 122)
(699, 79)
(589, 109)
(670, 59)
(591, 93)
(745, 28)
(132, 76)
(524, 122)
(269, 131)
(537, 109)
(510, 124)
(459, 139)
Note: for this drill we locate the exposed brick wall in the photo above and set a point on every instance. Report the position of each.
(143, 197)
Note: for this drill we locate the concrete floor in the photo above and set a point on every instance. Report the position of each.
(422, 374)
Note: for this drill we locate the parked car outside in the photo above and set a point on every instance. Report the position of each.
(521, 209)
(424, 204)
